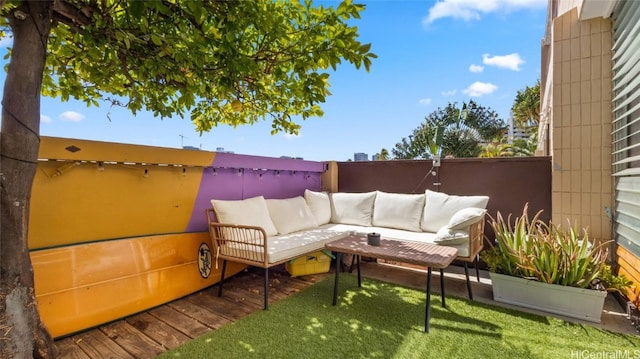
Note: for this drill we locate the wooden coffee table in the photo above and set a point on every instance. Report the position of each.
(429, 255)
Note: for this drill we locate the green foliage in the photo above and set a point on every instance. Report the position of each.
(461, 130)
(500, 147)
(383, 155)
(533, 249)
(526, 108)
(220, 62)
(612, 282)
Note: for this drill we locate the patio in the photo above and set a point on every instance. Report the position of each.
(150, 333)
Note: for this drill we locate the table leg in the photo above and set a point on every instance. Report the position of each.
(442, 286)
(335, 284)
(427, 314)
(359, 277)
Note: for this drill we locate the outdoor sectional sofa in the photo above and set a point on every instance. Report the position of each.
(267, 232)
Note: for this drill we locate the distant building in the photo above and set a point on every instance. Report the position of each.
(292, 158)
(515, 133)
(190, 148)
(221, 149)
(359, 156)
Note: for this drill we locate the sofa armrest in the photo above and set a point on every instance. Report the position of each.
(476, 236)
(239, 243)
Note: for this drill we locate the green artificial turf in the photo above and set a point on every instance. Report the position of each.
(384, 320)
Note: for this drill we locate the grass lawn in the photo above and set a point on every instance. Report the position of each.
(384, 320)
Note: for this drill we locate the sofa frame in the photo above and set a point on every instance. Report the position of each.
(238, 243)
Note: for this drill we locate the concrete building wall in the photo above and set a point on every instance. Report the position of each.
(577, 102)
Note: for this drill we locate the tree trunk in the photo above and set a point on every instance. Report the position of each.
(22, 334)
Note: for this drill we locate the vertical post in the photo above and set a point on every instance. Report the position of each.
(335, 284)
(224, 267)
(329, 178)
(427, 314)
(442, 286)
(266, 288)
(359, 277)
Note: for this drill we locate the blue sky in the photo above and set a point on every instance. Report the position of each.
(430, 53)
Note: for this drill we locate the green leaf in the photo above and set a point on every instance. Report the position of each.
(157, 40)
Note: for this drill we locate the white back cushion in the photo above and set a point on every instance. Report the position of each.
(466, 217)
(291, 214)
(352, 208)
(398, 210)
(320, 205)
(247, 212)
(447, 236)
(440, 207)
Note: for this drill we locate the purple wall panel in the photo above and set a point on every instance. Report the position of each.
(271, 163)
(259, 176)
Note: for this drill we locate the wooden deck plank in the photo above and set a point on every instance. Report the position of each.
(202, 315)
(168, 326)
(98, 345)
(67, 348)
(158, 330)
(132, 340)
(224, 305)
(180, 321)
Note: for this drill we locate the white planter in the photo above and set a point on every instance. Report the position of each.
(585, 304)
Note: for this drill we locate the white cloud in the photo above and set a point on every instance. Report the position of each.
(474, 9)
(449, 93)
(510, 62)
(478, 89)
(425, 101)
(71, 116)
(290, 136)
(476, 68)
(45, 119)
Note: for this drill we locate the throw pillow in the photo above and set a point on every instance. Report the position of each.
(291, 214)
(320, 205)
(466, 217)
(440, 207)
(397, 210)
(247, 212)
(352, 208)
(448, 237)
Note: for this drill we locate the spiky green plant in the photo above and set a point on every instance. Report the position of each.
(533, 249)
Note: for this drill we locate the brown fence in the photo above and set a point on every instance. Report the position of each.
(509, 182)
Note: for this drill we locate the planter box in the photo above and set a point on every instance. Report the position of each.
(585, 304)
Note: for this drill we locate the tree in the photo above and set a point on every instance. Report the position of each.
(383, 155)
(498, 147)
(464, 129)
(526, 108)
(220, 62)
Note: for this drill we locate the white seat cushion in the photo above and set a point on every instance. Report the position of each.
(320, 205)
(352, 208)
(291, 214)
(398, 210)
(440, 207)
(290, 245)
(247, 212)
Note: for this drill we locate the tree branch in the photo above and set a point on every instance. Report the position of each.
(70, 15)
